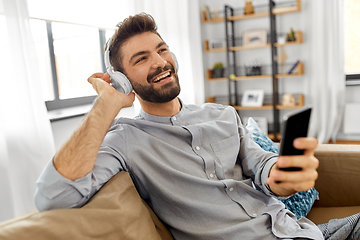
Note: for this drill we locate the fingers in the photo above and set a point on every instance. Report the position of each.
(98, 80)
(106, 78)
(302, 161)
(95, 75)
(306, 174)
(288, 188)
(101, 84)
(287, 183)
(284, 183)
(309, 144)
(128, 100)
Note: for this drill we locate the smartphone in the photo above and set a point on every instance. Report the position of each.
(295, 125)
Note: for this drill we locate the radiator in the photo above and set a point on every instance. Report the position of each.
(352, 118)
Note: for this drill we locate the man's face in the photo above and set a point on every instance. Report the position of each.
(150, 67)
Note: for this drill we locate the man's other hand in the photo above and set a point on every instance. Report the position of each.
(284, 183)
(101, 84)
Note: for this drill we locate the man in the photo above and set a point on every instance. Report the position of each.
(194, 166)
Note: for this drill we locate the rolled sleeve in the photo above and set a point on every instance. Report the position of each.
(56, 191)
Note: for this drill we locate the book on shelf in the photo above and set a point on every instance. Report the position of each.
(293, 67)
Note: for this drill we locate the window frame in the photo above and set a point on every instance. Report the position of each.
(58, 103)
(352, 79)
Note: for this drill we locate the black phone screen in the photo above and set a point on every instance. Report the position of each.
(295, 125)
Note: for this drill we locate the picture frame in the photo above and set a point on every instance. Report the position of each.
(252, 98)
(255, 37)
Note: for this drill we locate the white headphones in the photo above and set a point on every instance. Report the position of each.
(118, 80)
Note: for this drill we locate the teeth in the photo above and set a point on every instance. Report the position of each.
(162, 76)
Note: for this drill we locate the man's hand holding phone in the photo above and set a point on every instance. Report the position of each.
(295, 170)
(286, 183)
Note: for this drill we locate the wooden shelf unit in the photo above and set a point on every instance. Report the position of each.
(209, 76)
(299, 72)
(207, 49)
(299, 40)
(276, 11)
(213, 20)
(240, 48)
(276, 105)
(300, 103)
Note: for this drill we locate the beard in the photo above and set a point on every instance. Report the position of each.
(166, 93)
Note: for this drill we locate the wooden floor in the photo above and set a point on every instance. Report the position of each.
(345, 142)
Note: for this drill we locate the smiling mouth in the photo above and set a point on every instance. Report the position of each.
(162, 77)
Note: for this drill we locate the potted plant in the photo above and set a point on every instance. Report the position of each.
(218, 70)
(291, 37)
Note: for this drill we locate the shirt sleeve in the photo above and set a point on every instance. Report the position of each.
(255, 162)
(55, 191)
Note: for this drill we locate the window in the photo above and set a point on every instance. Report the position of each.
(69, 43)
(352, 40)
(67, 55)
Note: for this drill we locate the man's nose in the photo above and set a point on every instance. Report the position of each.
(158, 61)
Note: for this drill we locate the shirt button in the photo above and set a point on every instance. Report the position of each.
(197, 148)
(211, 175)
(231, 189)
(174, 118)
(254, 215)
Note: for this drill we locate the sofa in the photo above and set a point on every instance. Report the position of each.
(118, 212)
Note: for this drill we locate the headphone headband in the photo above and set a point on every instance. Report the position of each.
(107, 56)
(118, 80)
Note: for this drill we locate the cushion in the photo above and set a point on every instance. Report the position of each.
(300, 203)
(115, 212)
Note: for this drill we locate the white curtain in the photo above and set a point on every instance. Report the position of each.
(326, 67)
(26, 141)
(179, 25)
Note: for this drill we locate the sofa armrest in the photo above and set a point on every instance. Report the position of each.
(115, 212)
(339, 174)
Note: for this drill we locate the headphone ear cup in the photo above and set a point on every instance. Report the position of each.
(120, 82)
(176, 62)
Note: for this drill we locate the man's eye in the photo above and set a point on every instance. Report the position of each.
(163, 50)
(140, 59)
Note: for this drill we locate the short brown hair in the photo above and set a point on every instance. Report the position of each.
(126, 29)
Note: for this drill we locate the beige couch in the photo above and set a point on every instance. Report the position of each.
(117, 211)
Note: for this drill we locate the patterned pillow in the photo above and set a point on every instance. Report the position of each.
(299, 203)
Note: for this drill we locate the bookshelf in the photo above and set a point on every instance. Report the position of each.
(231, 50)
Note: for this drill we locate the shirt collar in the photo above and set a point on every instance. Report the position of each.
(149, 117)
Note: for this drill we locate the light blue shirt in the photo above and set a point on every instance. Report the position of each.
(196, 170)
